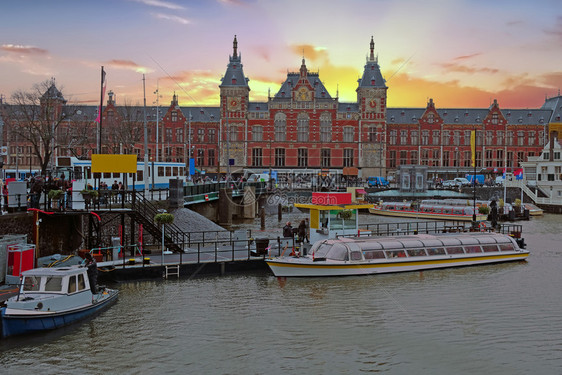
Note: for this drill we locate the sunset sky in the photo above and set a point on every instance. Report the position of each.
(460, 53)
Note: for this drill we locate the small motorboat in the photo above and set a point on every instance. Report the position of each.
(51, 298)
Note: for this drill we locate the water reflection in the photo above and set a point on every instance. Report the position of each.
(488, 319)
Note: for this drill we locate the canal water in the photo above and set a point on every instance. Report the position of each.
(497, 319)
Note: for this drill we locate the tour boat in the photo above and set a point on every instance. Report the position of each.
(347, 256)
(427, 211)
(50, 298)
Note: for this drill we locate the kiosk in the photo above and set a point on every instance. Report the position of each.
(332, 215)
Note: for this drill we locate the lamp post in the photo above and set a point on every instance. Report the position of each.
(189, 146)
(145, 173)
(157, 92)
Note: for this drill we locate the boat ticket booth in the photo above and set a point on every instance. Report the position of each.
(332, 214)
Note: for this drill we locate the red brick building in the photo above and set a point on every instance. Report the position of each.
(303, 127)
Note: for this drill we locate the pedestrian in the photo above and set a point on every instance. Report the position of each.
(302, 231)
(92, 266)
(288, 230)
(307, 234)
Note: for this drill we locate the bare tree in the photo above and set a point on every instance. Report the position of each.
(35, 117)
(126, 127)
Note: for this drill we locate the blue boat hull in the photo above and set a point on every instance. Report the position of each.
(19, 325)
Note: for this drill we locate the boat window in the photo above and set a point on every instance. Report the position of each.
(458, 210)
(490, 248)
(506, 247)
(417, 253)
(396, 253)
(374, 254)
(81, 282)
(447, 210)
(31, 284)
(53, 284)
(337, 252)
(356, 255)
(473, 249)
(72, 284)
(455, 250)
(320, 249)
(435, 251)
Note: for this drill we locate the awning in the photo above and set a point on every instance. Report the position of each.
(360, 191)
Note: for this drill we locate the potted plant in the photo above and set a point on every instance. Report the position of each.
(517, 205)
(89, 193)
(484, 210)
(55, 195)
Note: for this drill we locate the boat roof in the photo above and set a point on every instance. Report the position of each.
(54, 271)
(427, 240)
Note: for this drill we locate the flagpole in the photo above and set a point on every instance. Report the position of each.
(100, 110)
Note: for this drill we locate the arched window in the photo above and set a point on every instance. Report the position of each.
(280, 124)
(325, 127)
(302, 127)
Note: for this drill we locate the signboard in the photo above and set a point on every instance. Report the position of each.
(103, 163)
(191, 166)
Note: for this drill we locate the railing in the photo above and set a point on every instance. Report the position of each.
(522, 184)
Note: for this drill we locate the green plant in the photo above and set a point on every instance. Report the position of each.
(518, 202)
(484, 210)
(501, 203)
(346, 214)
(55, 194)
(90, 192)
(163, 218)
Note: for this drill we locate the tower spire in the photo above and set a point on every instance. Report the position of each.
(372, 56)
(235, 48)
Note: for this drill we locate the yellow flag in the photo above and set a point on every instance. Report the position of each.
(473, 147)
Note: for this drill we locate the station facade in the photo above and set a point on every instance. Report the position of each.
(304, 127)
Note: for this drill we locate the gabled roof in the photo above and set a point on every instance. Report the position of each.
(468, 116)
(555, 105)
(202, 114)
(313, 79)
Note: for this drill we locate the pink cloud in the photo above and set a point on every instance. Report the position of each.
(26, 50)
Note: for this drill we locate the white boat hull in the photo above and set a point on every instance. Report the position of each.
(306, 267)
(425, 215)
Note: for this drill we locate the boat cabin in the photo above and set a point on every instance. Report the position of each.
(64, 280)
(365, 249)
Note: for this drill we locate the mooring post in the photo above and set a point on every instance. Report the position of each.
(279, 212)
(262, 218)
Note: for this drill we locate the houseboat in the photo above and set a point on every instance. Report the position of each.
(51, 298)
(427, 210)
(347, 256)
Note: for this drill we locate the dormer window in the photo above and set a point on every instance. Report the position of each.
(466, 114)
(323, 94)
(282, 93)
(392, 119)
(529, 114)
(457, 119)
(402, 113)
(372, 82)
(233, 81)
(233, 66)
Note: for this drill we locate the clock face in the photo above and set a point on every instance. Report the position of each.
(372, 103)
(233, 103)
(302, 94)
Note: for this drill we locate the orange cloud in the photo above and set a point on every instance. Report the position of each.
(127, 64)
(26, 50)
(407, 91)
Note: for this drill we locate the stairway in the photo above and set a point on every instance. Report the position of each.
(143, 212)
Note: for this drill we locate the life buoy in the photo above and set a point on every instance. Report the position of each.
(482, 226)
(206, 197)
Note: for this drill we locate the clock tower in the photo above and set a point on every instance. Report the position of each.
(234, 100)
(371, 98)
